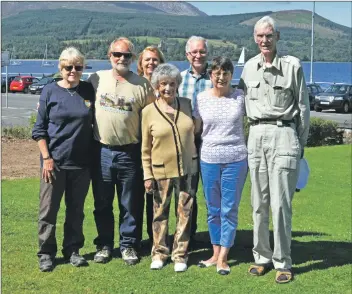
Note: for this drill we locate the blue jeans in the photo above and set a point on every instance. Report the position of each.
(118, 168)
(223, 184)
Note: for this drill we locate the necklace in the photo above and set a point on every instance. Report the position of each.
(72, 91)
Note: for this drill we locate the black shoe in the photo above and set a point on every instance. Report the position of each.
(77, 260)
(46, 263)
(103, 256)
(129, 255)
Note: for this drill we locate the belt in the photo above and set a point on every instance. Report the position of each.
(120, 147)
(278, 122)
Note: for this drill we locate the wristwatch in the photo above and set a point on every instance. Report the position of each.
(46, 158)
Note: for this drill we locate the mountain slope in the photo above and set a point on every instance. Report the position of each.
(10, 8)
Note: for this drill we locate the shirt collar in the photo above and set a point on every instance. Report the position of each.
(276, 62)
(204, 73)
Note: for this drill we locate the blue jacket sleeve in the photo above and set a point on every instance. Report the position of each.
(40, 129)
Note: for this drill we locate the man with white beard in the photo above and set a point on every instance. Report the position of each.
(120, 97)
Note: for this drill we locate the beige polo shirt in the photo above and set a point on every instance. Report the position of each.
(118, 107)
(277, 92)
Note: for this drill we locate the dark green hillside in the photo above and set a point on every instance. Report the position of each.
(29, 31)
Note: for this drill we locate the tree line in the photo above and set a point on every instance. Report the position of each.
(92, 32)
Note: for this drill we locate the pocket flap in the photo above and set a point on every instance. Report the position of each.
(253, 84)
(158, 164)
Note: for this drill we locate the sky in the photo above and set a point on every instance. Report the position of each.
(339, 12)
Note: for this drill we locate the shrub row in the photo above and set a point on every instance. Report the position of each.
(322, 132)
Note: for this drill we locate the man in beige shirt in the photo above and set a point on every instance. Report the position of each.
(277, 107)
(120, 97)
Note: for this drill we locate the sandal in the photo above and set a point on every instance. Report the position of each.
(283, 275)
(259, 269)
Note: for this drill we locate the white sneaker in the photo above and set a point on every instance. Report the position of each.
(180, 267)
(156, 264)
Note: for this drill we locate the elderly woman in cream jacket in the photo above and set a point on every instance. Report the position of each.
(169, 161)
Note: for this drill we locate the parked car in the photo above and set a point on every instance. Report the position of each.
(36, 88)
(337, 96)
(313, 90)
(21, 83)
(3, 83)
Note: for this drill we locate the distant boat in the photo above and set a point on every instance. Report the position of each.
(45, 62)
(12, 61)
(88, 66)
(241, 61)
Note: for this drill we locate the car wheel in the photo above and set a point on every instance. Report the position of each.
(13, 92)
(317, 109)
(32, 92)
(25, 90)
(345, 107)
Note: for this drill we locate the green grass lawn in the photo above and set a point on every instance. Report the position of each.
(321, 246)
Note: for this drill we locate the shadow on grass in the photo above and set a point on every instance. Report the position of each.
(320, 254)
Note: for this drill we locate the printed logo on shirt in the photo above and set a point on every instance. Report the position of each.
(116, 103)
(88, 103)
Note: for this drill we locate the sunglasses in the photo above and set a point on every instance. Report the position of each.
(70, 67)
(119, 54)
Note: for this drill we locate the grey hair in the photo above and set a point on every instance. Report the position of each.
(124, 40)
(193, 39)
(165, 70)
(70, 55)
(266, 21)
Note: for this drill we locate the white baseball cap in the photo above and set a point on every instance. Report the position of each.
(303, 174)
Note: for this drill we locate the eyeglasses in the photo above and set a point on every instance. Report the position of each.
(269, 37)
(119, 54)
(200, 52)
(218, 74)
(70, 67)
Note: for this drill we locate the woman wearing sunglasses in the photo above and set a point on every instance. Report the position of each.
(148, 60)
(219, 114)
(63, 130)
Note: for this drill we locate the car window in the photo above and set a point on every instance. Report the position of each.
(319, 88)
(17, 78)
(351, 90)
(309, 90)
(337, 89)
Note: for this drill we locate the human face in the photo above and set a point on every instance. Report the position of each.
(71, 72)
(120, 64)
(221, 78)
(150, 61)
(197, 55)
(167, 89)
(266, 39)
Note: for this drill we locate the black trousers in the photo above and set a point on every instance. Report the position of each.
(75, 185)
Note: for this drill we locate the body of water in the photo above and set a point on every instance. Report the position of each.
(333, 72)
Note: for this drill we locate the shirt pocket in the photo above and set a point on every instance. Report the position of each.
(253, 90)
(159, 170)
(282, 96)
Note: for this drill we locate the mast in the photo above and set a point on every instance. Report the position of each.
(312, 46)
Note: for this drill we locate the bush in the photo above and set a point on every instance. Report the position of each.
(20, 132)
(324, 132)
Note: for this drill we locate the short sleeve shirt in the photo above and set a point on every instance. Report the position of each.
(223, 135)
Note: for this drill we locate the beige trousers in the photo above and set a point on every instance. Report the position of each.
(162, 197)
(273, 160)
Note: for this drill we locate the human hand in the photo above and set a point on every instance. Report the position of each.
(48, 170)
(148, 185)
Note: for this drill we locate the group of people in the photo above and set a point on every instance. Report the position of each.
(154, 134)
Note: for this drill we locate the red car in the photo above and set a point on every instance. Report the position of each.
(21, 83)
